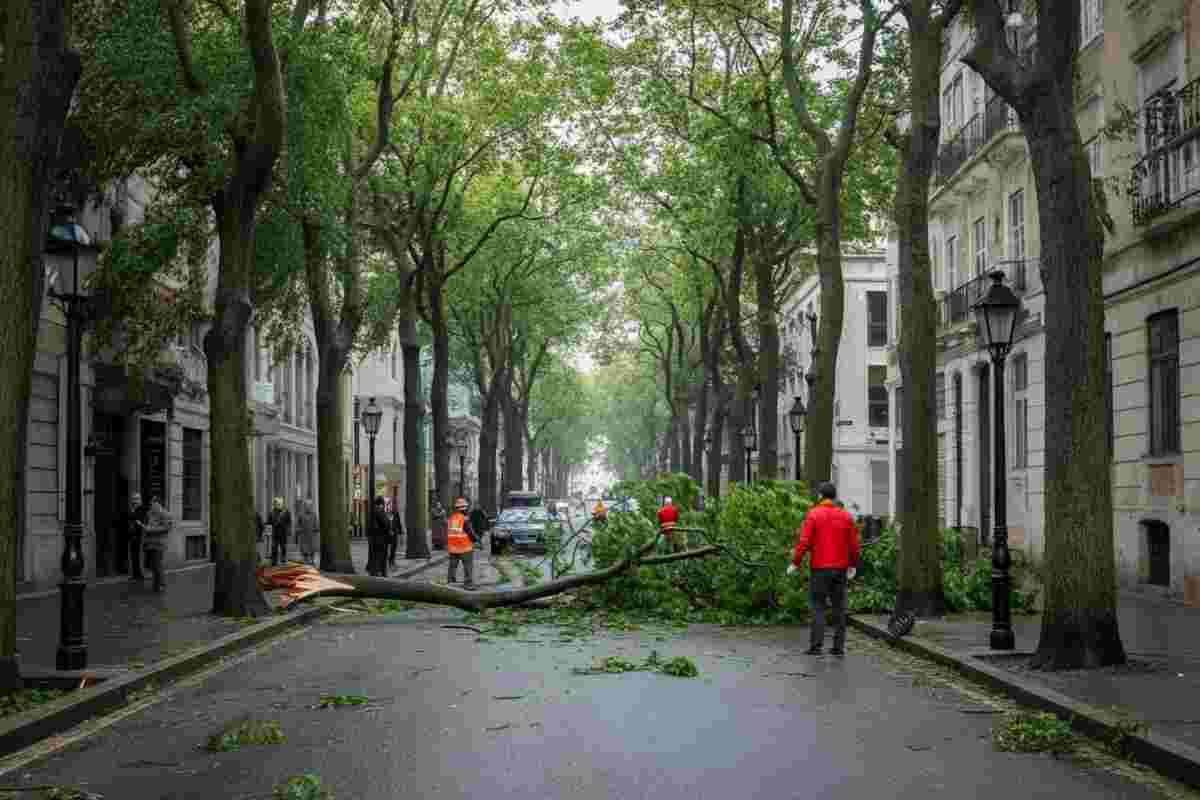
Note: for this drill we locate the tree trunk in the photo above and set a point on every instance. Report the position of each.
(1079, 624)
(232, 523)
(334, 341)
(439, 394)
(700, 429)
(514, 460)
(920, 558)
(489, 496)
(416, 520)
(768, 350)
(38, 80)
(818, 439)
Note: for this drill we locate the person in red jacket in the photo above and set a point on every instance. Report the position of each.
(830, 534)
(668, 519)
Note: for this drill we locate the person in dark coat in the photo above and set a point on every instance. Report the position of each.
(397, 530)
(135, 530)
(377, 544)
(280, 520)
(479, 522)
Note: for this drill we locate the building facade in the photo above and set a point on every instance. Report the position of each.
(983, 217)
(150, 436)
(861, 412)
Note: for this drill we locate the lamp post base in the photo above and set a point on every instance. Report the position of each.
(72, 651)
(1002, 640)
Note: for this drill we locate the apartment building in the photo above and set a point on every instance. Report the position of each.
(983, 207)
(861, 411)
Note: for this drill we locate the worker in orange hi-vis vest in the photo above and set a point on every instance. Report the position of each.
(460, 543)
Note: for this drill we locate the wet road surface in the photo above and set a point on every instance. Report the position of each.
(452, 714)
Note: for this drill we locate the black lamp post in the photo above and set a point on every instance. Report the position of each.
(67, 235)
(461, 446)
(796, 420)
(750, 443)
(357, 461)
(371, 417)
(996, 315)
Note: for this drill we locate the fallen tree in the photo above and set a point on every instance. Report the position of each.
(302, 582)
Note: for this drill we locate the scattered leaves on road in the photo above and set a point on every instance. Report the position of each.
(24, 699)
(339, 700)
(680, 666)
(1033, 732)
(245, 732)
(302, 787)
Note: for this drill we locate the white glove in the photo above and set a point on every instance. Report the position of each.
(850, 573)
(791, 570)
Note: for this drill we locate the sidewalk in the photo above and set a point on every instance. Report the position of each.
(1159, 686)
(129, 626)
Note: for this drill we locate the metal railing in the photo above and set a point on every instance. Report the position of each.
(1168, 176)
(956, 305)
(995, 118)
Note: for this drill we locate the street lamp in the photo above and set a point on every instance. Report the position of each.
(461, 445)
(357, 472)
(67, 235)
(996, 315)
(796, 420)
(371, 417)
(750, 443)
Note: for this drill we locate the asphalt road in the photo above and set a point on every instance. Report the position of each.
(452, 716)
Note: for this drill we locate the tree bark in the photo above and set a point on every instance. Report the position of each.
(768, 363)
(335, 339)
(1079, 623)
(439, 393)
(514, 458)
(416, 519)
(38, 79)
(920, 558)
(236, 209)
(488, 440)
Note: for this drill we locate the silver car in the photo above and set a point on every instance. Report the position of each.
(521, 527)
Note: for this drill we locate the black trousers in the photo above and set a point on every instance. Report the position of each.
(278, 549)
(135, 555)
(828, 585)
(393, 541)
(377, 555)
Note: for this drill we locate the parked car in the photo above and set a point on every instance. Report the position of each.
(524, 500)
(523, 527)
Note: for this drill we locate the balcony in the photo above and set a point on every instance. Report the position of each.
(996, 118)
(956, 305)
(1168, 176)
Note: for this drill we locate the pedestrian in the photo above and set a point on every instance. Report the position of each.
(378, 541)
(397, 530)
(135, 530)
(830, 534)
(460, 542)
(280, 520)
(668, 520)
(158, 526)
(479, 522)
(307, 530)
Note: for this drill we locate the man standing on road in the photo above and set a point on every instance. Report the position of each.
(829, 532)
(479, 522)
(460, 543)
(668, 519)
(377, 544)
(280, 520)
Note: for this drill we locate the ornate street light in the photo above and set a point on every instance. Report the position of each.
(357, 471)
(750, 443)
(997, 315)
(796, 420)
(67, 235)
(372, 415)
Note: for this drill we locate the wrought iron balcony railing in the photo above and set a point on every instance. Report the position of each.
(1168, 176)
(1019, 274)
(996, 118)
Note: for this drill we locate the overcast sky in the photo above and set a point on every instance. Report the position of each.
(587, 10)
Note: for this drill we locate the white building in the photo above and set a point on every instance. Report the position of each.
(861, 413)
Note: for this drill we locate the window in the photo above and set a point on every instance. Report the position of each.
(193, 474)
(951, 262)
(952, 105)
(939, 394)
(1164, 382)
(1020, 368)
(877, 399)
(1016, 225)
(1095, 154)
(935, 253)
(900, 409)
(980, 247)
(1109, 406)
(195, 548)
(1091, 20)
(877, 323)
(393, 362)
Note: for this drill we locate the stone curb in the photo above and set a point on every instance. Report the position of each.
(27, 728)
(1171, 757)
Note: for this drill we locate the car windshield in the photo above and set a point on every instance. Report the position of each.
(522, 515)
